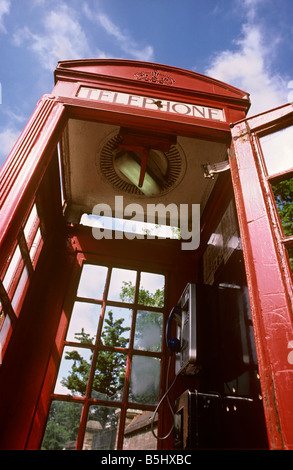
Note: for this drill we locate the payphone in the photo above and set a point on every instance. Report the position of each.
(184, 344)
(213, 342)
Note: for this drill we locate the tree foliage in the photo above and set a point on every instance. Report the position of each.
(283, 192)
(109, 368)
(144, 296)
(108, 381)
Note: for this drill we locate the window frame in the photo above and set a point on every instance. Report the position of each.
(284, 242)
(10, 307)
(125, 403)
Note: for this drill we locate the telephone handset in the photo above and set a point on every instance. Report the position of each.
(184, 344)
(173, 343)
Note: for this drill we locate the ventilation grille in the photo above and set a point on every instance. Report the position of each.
(174, 172)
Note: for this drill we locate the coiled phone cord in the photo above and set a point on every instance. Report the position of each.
(160, 402)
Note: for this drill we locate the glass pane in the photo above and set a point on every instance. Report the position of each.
(109, 376)
(283, 192)
(92, 281)
(13, 265)
(148, 331)
(35, 245)
(116, 328)
(74, 371)
(151, 289)
(145, 379)
(2, 315)
(138, 433)
(122, 285)
(62, 426)
(5, 327)
(101, 428)
(290, 256)
(84, 322)
(30, 223)
(277, 150)
(17, 297)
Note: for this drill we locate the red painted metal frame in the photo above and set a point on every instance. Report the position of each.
(26, 172)
(119, 75)
(20, 178)
(269, 280)
(85, 248)
(83, 257)
(23, 170)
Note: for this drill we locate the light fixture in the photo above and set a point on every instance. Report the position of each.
(128, 163)
(140, 157)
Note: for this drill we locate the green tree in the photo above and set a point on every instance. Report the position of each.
(64, 417)
(109, 367)
(144, 296)
(62, 426)
(63, 421)
(148, 324)
(283, 192)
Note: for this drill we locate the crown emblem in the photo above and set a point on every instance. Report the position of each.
(154, 76)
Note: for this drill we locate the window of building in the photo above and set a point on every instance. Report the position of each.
(277, 152)
(110, 370)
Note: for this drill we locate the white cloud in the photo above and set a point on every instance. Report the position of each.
(4, 10)
(63, 38)
(250, 8)
(8, 137)
(127, 44)
(248, 65)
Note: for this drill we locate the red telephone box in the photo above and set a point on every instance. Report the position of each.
(87, 287)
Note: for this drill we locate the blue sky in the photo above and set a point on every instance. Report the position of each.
(246, 43)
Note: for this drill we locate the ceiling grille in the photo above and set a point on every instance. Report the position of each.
(175, 168)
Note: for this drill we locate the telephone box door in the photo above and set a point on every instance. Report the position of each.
(262, 168)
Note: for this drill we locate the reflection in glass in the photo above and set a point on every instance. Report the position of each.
(35, 245)
(101, 428)
(120, 278)
(30, 223)
(2, 317)
(62, 426)
(283, 192)
(145, 378)
(148, 331)
(116, 327)
(109, 376)
(84, 322)
(290, 256)
(18, 294)
(92, 281)
(13, 266)
(151, 289)
(74, 371)
(277, 150)
(4, 330)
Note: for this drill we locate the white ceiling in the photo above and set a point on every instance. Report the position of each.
(85, 185)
